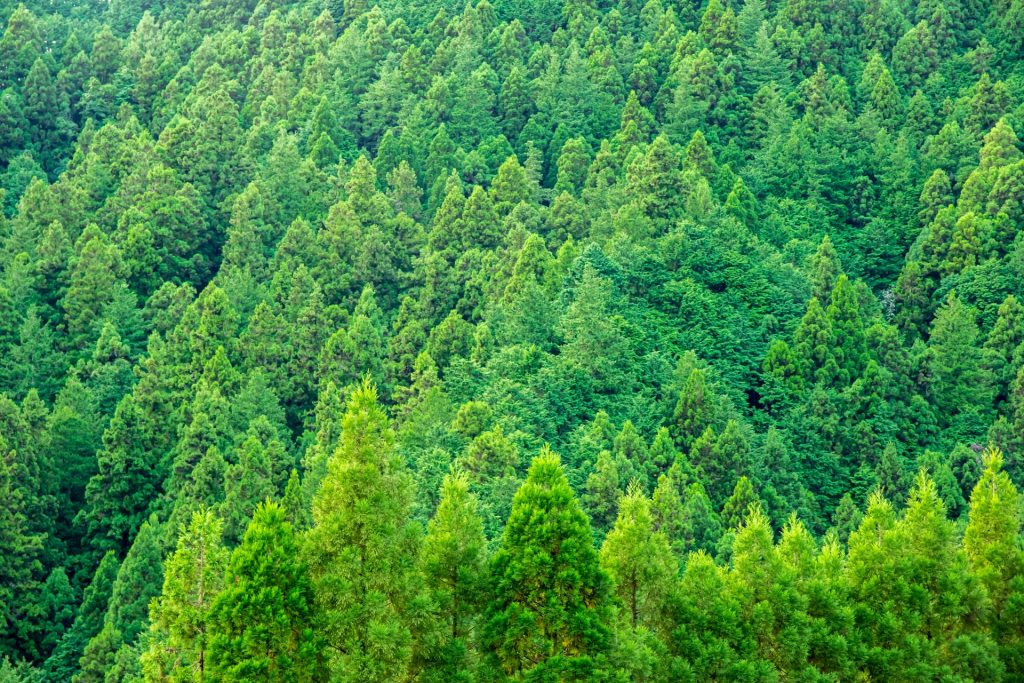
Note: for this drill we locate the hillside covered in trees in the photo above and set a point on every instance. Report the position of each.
(513, 340)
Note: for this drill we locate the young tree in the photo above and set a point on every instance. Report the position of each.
(696, 409)
(959, 382)
(179, 631)
(643, 571)
(992, 544)
(262, 627)
(64, 662)
(117, 496)
(362, 548)
(454, 565)
(639, 562)
(247, 484)
(548, 617)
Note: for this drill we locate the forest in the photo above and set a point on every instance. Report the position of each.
(434, 341)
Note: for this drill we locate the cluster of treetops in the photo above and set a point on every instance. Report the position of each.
(299, 300)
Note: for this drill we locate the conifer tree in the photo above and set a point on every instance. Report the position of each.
(992, 543)
(180, 616)
(960, 382)
(548, 616)
(604, 487)
(639, 562)
(454, 566)
(362, 548)
(642, 569)
(767, 593)
(64, 661)
(118, 494)
(696, 409)
(246, 485)
(20, 548)
(736, 508)
(296, 507)
(133, 588)
(262, 626)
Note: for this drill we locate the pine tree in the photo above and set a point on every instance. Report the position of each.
(604, 487)
(247, 484)
(654, 180)
(712, 637)
(116, 498)
(64, 662)
(1005, 337)
(939, 564)
(573, 164)
(891, 475)
(660, 456)
(262, 627)
(328, 413)
(959, 380)
(20, 549)
(722, 459)
(813, 344)
(736, 509)
(667, 514)
(936, 194)
(847, 328)
(133, 588)
(643, 570)
(594, 333)
(767, 592)
(550, 607)
(295, 504)
(362, 548)
(696, 410)
(701, 527)
(93, 281)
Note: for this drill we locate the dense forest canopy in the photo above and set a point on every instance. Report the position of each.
(511, 340)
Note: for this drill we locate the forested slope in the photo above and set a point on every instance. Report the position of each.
(520, 340)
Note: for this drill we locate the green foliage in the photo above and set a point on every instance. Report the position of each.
(263, 625)
(453, 562)
(362, 547)
(639, 563)
(548, 614)
(180, 618)
(748, 267)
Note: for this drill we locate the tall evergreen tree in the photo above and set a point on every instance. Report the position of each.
(180, 617)
(992, 544)
(454, 565)
(548, 617)
(263, 625)
(362, 548)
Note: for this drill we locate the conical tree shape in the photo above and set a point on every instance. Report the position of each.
(246, 485)
(992, 544)
(133, 589)
(454, 566)
(263, 623)
(548, 617)
(180, 616)
(696, 409)
(65, 658)
(296, 507)
(639, 562)
(739, 504)
(362, 548)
